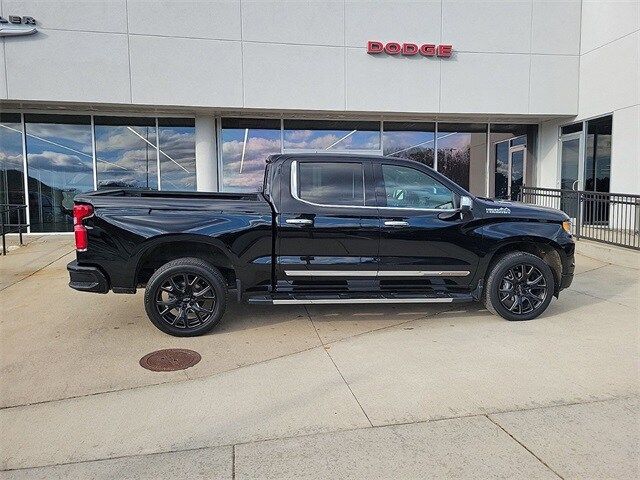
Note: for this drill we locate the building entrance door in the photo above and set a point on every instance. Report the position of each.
(511, 162)
(517, 167)
(570, 174)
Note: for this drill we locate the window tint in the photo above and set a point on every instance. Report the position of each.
(331, 183)
(409, 188)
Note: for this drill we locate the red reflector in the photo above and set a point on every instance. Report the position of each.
(82, 240)
(80, 212)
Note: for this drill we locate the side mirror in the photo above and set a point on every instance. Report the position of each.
(466, 204)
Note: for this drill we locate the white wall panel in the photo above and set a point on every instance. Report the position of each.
(488, 26)
(485, 83)
(547, 158)
(610, 77)
(218, 19)
(556, 26)
(68, 66)
(554, 86)
(396, 21)
(94, 16)
(294, 76)
(625, 151)
(181, 71)
(392, 84)
(318, 23)
(605, 21)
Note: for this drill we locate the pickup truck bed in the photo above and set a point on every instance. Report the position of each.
(133, 232)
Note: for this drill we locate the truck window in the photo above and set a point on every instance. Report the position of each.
(329, 183)
(410, 188)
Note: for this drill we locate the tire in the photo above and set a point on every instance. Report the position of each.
(186, 297)
(515, 285)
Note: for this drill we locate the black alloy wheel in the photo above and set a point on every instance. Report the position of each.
(185, 300)
(519, 286)
(186, 297)
(522, 289)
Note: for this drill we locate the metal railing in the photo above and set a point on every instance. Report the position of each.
(11, 217)
(612, 218)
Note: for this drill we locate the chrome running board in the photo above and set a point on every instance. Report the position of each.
(358, 298)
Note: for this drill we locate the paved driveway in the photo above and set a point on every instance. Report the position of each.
(352, 391)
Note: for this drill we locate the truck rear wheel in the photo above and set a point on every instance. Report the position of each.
(185, 297)
(519, 286)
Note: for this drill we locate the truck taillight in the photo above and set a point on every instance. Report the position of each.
(80, 212)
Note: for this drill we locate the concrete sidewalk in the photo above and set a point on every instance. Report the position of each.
(325, 391)
(590, 440)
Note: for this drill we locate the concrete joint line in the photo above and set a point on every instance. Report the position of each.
(336, 366)
(495, 422)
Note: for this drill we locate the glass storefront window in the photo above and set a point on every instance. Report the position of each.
(245, 145)
(11, 162)
(412, 140)
(331, 135)
(177, 153)
(59, 166)
(462, 154)
(126, 152)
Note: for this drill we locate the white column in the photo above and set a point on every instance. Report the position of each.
(206, 155)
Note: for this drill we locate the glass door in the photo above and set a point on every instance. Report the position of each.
(517, 166)
(511, 161)
(570, 175)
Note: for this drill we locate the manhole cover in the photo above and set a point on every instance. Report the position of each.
(170, 359)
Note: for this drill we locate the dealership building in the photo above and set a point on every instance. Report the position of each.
(195, 95)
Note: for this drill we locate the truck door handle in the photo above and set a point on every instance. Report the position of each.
(396, 223)
(299, 221)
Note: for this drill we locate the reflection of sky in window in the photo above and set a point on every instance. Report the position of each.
(243, 163)
(11, 184)
(59, 156)
(177, 158)
(332, 139)
(59, 165)
(402, 144)
(126, 156)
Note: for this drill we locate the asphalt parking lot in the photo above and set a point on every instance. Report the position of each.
(405, 391)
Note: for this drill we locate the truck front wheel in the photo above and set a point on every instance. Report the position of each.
(185, 297)
(519, 286)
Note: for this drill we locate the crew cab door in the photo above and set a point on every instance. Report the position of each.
(424, 239)
(328, 229)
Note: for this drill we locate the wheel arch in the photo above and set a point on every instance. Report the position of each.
(166, 248)
(543, 248)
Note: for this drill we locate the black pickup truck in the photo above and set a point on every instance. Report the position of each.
(326, 229)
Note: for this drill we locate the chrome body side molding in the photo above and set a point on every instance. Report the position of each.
(374, 273)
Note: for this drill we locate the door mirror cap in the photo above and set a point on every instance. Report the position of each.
(466, 204)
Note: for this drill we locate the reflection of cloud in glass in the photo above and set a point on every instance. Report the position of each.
(177, 158)
(58, 162)
(331, 140)
(126, 156)
(260, 144)
(60, 165)
(77, 137)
